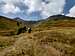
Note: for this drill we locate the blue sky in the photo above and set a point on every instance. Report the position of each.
(36, 9)
(69, 4)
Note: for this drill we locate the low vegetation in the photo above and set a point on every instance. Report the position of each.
(49, 38)
(6, 42)
(57, 42)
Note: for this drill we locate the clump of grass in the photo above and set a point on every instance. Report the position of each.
(6, 42)
(3, 26)
(56, 42)
(62, 40)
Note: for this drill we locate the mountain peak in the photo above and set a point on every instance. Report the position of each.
(19, 19)
(59, 16)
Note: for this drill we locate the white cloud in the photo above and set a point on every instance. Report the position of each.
(10, 8)
(52, 8)
(14, 6)
(71, 12)
(34, 5)
(12, 1)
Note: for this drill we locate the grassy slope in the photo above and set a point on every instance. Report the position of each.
(57, 38)
(54, 42)
(7, 24)
(58, 22)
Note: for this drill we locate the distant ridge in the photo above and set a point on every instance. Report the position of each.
(59, 16)
(6, 18)
(24, 22)
(57, 21)
(7, 23)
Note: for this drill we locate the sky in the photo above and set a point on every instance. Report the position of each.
(36, 9)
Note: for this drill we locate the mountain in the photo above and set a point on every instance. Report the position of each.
(26, 23)
(7, 23)
(52, 21)
(57, 21)
(54, 36)
(59, 17)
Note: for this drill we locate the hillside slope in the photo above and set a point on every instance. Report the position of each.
(7, 23)
(27, 23)
(9, 26)
(56, 21)
(54, 42)
(52, 37)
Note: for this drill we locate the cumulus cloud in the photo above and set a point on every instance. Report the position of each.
(47, 7)
(10, 8)
(53, 7)
(44, 7)
(71, 12)
(34, 5)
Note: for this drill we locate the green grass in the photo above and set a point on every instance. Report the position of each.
(8, 26)
(2, 26)
(56, 23)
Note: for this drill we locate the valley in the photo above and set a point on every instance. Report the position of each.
(50, 37)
